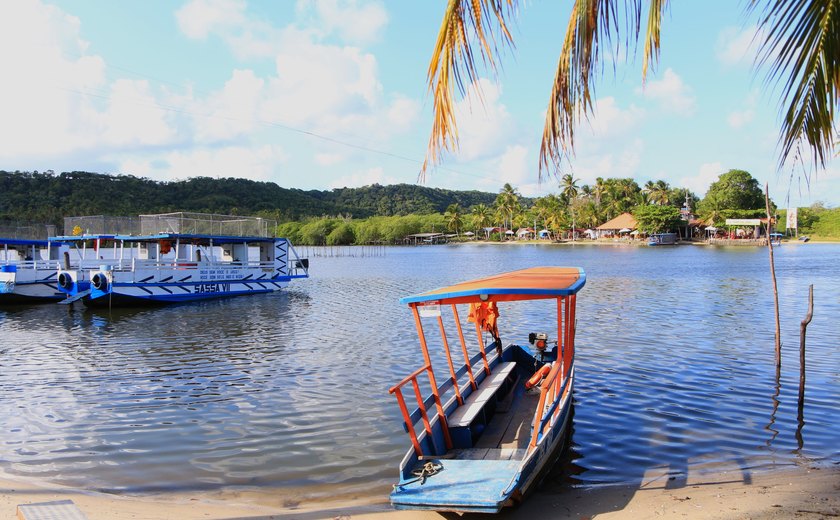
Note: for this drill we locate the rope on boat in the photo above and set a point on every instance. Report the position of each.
(429, 469)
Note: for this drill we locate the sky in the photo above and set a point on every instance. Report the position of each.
(322, 94)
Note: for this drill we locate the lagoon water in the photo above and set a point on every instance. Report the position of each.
(675, 373)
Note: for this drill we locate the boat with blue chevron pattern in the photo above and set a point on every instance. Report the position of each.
(182, 257)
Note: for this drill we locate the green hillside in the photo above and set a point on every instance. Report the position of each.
(48, 197)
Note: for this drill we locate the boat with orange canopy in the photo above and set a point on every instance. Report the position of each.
(493, 418)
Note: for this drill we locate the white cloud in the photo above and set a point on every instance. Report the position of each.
(484, 124)
(672, 94)
(132, 118)
(615, 160)
(59, 102)
(257, 163)
(353, 21)
(736, 46)
(707, 174)
(610, 120)
(233, 111)
(323, 87)
(738, 119)
(364, 178)
(515, 166)
(328, 159)
(198, 18)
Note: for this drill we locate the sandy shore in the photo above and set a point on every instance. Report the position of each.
(808, 493)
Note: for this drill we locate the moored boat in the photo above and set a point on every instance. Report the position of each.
(662, 239)
(28, 271)
(494, 420)
(213, 259)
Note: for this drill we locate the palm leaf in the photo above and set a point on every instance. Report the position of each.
(591, 23)
(800, 49)
(453, 63)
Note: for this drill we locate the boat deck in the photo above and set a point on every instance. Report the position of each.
(508, 434)
(489, 469)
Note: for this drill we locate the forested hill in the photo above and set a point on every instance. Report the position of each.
(49, 197)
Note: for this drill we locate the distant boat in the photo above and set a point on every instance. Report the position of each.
(662, 239)
(160, 268)
(28, 270)
(494, 422)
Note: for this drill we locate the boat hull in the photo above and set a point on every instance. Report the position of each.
(163, 294)
(484, 486)
(29, 286)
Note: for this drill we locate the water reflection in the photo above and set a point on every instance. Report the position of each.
(675, 373)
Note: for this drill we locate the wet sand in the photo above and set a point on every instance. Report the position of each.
(808, 493)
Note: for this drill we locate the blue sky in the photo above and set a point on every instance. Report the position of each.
(331, 93)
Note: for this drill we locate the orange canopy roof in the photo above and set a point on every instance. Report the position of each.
(527, 284)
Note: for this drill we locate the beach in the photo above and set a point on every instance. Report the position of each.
(794, 492)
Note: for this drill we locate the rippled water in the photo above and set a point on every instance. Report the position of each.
(290, 390)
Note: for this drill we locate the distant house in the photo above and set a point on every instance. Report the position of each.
(525, 233)
(624, 223)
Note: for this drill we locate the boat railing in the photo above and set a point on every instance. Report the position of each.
(298, 267)
(552, 389)
(555, 386)
(29, 265)
(464, 378)
(422, 407)
(136, 264)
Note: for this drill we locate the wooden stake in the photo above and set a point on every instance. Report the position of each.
(802, 327)
(773, 276)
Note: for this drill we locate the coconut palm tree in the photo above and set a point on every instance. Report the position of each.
(801, 43)
(454, 217)
(482, 215)
(545, 207)
(569, 187)
(507, 204)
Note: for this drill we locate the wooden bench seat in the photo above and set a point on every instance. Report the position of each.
(465, 414)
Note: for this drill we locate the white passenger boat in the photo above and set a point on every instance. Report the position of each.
(183, 257)
(28, 270)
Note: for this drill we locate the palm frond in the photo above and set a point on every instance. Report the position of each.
(801, 50)
(591, 23)
(453, 63)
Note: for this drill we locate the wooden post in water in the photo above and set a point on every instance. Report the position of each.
(773, 276)
(802, 327)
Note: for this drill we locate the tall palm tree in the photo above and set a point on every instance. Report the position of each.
(569, 187)
(454, 217)
(800, 49)
(482, 215)
(545, 207)
(660, 194)
(507, 204)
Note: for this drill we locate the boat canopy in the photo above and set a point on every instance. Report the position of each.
(526, 284)
(195, 238)
(23, 242)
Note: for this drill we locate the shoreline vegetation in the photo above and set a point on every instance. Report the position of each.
(379, 214)
(811, 491)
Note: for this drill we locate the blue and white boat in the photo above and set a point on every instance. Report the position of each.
(494, 419)
(173, 266)
(28, 270)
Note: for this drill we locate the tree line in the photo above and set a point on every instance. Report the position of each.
(48, 197)
(387, 214)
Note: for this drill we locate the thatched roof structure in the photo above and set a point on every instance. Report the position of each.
(623, 221)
